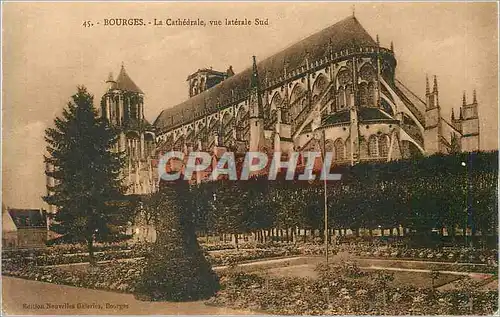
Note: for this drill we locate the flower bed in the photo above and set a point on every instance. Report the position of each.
(65, 249)
(236, 256)
(464, 255)
(114, 276)
(344, 296)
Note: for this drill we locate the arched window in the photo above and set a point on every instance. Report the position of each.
(367, 73)
(133, 144)
(319, 86)
(149, 144)
(372, 146)
(240, 123)
(202, 84)
(348, 93)
(363, 94)
(347, 148)
(329, 146)
(133, 110)
(372, 95)
(339, 150)
(341, 98)
(344, 84)
(383, 146)
(226, 129)
(274, 116)
(363, 148)
(267, 111)
(297, 93)
(194, 87)
(285, 116)
(364, 98)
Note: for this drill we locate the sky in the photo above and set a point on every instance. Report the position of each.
(47, 53)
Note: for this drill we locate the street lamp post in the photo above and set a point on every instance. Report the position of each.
(467, 202)
(323, 155)
(326, 198)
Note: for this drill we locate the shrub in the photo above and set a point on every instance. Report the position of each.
(176, 268)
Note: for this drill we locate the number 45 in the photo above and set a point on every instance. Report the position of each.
(87, 23)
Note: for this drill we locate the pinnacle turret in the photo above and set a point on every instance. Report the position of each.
(255, 74)
(427, 88)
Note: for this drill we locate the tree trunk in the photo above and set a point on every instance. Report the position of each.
(305, 235)
(453, 233)
(90, 247)
(236, 241)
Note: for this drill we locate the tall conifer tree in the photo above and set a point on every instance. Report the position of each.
(87, 174)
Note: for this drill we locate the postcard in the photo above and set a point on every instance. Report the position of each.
(249, 158)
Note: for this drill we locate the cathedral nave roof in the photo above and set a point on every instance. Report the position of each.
(345, 34)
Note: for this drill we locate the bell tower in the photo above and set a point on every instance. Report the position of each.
(123, 106)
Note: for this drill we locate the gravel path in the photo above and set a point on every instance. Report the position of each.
(24, 297)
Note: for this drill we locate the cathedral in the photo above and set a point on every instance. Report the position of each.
(335, 90)
(339, 83)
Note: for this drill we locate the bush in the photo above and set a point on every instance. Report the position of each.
(176, 268)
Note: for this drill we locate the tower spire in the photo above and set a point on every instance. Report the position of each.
(435, 87)
(474, 97)
(464, 100)
(353, 11)
(392, 46)
(378, 41)
(427, 89)
(255, 73)
(452, 114)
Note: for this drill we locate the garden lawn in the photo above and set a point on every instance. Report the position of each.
(401, 278)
